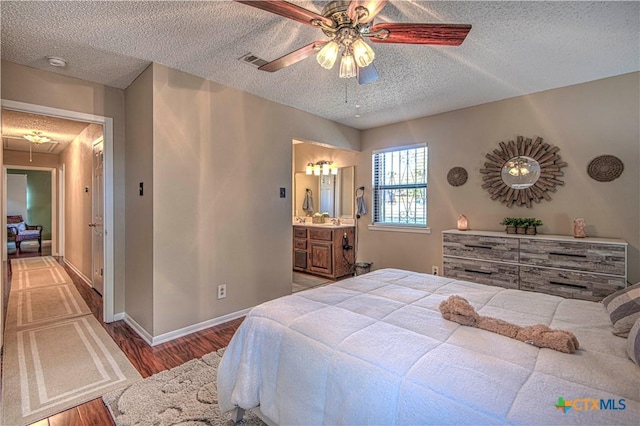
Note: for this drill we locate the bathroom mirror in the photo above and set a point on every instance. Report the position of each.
(333, 194)
(520, 172)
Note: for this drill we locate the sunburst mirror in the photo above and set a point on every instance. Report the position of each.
(522, 172)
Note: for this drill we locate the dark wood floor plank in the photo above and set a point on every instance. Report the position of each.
(94, 413)
(146, 359)
(70, 417)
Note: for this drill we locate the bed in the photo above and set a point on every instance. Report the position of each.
(374, 349)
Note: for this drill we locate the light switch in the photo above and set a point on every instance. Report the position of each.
(141, 189)
(283, 193)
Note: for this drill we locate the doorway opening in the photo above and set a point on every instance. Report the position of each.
(65, 198)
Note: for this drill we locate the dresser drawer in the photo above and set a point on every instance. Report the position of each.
(320, 234)
(490, 273)
(299, 232)
(480, 247)
(583, 256)
(572, 284)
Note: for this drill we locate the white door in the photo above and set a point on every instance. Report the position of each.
(327, 193)
(97, 240)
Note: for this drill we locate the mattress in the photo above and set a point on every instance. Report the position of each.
(374, 349)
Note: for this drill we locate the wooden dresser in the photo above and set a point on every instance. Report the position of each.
(319, 250)
(578, 268)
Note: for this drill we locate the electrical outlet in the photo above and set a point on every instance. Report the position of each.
(222, 291)
(435, 270)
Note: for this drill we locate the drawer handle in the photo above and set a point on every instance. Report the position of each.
(569, 285)
(478, 272)
(568, 254)
(478, 246)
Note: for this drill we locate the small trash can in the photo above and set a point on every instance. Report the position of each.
(362, 267)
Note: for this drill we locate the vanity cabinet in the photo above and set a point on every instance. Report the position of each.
(319, 250)
(585, 268)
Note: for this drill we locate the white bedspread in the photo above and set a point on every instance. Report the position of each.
(374, 349)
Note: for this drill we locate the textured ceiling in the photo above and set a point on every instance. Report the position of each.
(514, 48)
(17, 124)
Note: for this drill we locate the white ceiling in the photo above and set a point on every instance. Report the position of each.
(514, 48)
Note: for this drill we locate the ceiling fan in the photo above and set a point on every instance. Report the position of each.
(38, 138)
(347, 23)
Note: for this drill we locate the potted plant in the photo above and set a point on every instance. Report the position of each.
(510, 223)
(532, 224)
(521, 225)
(317, 218)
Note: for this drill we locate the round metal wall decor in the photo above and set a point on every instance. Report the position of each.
(605, 168)
(523, 171)
(457, 176)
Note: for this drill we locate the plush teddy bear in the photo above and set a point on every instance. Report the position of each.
(459, 310)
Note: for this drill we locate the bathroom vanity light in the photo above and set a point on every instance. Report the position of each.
(321, 168)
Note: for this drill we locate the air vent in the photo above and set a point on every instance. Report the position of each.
(252, 59)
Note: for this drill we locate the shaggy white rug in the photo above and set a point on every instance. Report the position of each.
(185, 395)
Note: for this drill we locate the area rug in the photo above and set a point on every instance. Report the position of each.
(44, 304)
(56, 354)
(33, 263)
(185, 395)
(32, 278)
(53, 367)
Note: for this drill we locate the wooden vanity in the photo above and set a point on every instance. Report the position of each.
(319, 250)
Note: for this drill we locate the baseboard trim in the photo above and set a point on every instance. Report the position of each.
(172, 335)
(119, 316)
(138, 329)
(166, 337)
(80, 275)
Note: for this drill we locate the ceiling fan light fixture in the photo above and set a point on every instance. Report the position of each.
(363, 53)
(36, 137)
(348, 66)
(327, 56)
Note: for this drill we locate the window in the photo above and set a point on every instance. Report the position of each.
(400, 186)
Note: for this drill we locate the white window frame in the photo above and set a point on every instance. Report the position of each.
(393, 227)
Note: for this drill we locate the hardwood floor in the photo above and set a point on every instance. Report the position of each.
(146, 359)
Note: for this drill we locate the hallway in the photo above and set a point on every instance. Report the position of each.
(146, 359)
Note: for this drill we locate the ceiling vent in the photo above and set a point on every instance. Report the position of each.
(252, 59)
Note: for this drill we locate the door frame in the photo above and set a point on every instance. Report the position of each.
(54, 203)
(99, 140)
(108, 298)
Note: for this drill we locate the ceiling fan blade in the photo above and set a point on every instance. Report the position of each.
(373, 6)
(288, 10)
(438, 34)
(293, 57)
(368, 74)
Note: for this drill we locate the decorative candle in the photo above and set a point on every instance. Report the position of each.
(579, 228)
(463, 223)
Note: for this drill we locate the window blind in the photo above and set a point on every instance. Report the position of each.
(400, 186)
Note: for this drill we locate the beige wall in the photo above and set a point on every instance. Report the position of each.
(584, 121)
(21, 158)
(219, 158)
(24, 84)
(139, 209)
(77, 160)
(311, 153)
